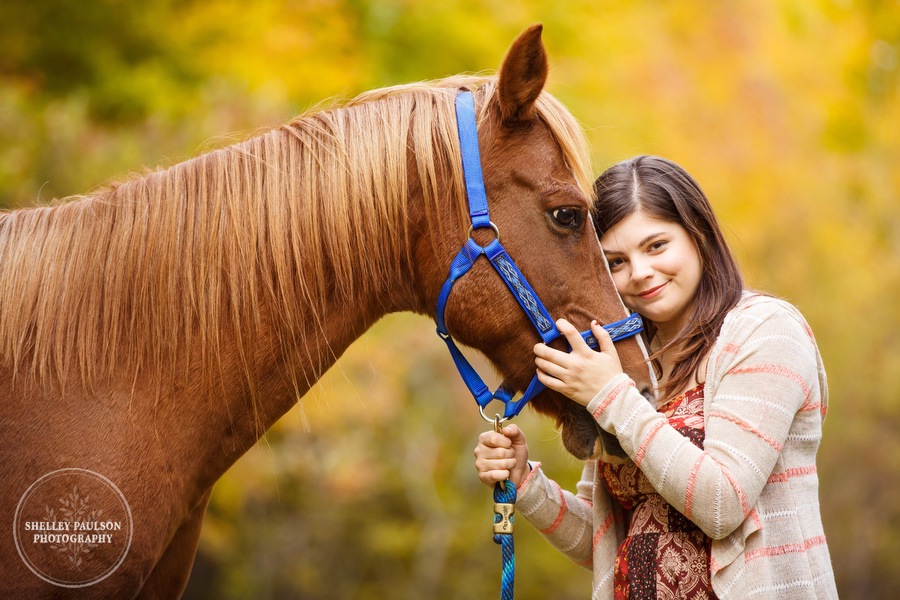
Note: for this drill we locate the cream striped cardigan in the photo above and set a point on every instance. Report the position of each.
(753, 488)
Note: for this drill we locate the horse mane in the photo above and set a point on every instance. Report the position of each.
(130, 276)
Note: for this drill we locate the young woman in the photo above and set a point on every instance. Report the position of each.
(720, 497)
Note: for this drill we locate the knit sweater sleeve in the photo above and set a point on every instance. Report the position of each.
(763, 372)
(563, 518)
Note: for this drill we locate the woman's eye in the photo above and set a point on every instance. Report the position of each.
(567, 217)
(615, 263)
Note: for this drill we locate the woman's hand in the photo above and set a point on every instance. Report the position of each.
(579, 374)
(501, 456)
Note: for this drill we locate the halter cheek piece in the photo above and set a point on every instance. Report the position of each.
(508, 271)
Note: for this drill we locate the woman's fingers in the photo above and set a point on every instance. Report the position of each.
(492, 439)
(497, 454)
(491, 478)
(492, 447)
(496, 469)
(550, 368)
(604, 341)
(559, 359)
(572, 336)
(550, 382)
(514, 434)
(492, 469)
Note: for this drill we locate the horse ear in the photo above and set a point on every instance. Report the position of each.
(522, 75)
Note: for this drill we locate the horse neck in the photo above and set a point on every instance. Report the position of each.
(321, 267)
(216, 291)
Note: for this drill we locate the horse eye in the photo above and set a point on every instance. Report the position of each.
(567, 217)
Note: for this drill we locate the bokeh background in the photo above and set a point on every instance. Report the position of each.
(786, 112)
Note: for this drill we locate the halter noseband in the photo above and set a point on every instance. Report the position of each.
(508, 271)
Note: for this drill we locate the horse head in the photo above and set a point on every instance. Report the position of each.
(537, 180)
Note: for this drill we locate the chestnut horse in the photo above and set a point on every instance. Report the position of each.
(151, 332)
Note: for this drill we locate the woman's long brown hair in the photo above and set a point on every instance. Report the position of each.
(663, 190)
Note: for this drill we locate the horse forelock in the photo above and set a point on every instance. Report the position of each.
(130, 277)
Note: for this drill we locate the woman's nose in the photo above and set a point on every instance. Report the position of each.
(641, 269)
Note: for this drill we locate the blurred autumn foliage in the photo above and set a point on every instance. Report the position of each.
(788, 114)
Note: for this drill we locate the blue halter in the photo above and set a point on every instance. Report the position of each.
(508, 271)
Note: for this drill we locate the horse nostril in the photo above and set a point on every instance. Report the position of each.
(649, 395)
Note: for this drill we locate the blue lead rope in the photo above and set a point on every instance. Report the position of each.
(504, 509)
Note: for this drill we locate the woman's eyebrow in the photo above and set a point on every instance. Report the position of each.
(643, 242)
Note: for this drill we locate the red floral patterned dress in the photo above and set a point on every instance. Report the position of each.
(665, 555)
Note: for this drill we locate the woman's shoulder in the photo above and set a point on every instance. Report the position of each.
(761, 322)
(757, 310)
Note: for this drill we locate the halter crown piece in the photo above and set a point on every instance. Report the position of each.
(508, 271)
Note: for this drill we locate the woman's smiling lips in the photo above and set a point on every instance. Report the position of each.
(652, 292)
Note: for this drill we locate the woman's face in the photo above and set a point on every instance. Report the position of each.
(656, 267)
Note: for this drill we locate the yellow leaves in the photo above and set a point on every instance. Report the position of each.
(299, 52)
